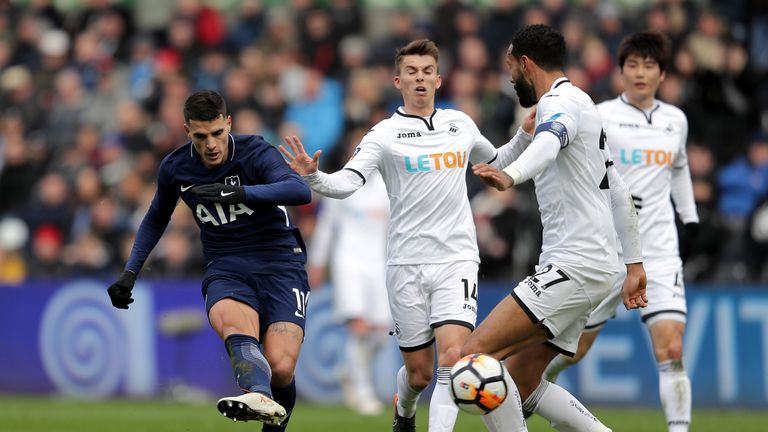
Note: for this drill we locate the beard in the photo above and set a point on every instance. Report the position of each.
(525, 92)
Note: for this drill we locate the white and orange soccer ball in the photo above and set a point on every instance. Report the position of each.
(477, 383)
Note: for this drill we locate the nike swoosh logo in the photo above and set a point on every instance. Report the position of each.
(185, 188)
(226, 193)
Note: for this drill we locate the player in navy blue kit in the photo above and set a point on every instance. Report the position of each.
(255, 284)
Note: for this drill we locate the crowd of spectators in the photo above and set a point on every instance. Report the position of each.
(91, 101)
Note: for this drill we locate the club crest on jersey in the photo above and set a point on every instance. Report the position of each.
(232, 180)
(453, 129)
(670, 129)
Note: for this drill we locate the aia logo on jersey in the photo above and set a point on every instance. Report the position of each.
(453, 129)
(232, 180)
(401, 135)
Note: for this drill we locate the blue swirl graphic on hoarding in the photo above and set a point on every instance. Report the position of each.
(88, 349)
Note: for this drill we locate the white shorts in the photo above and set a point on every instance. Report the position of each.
(425, 296)
(665, 290)
(360, 292)
(561, 297)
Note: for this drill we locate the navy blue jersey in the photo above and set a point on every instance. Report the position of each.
(259, 227)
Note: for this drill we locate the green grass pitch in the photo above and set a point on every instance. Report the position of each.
(33, 414)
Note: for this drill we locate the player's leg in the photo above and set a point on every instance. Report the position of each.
(674, 384)
(556, 302)
(284, 291)
(665, 318)
(412, 378)
(605, 311)
(416, 340)
(442, 410)
(452, 290)
(562, 362)
(506, 329)
(237, 324)
(351, 289)
(282, 344)
(563, 411)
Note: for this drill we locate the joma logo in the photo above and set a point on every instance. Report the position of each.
(408, 135)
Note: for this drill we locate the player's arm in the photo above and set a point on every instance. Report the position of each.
(340, 184)
(682, 195)
(151, 229)
(510, 151)
(281, 185)
(626, 225)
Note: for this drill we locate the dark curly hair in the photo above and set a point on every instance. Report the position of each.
(542, 44)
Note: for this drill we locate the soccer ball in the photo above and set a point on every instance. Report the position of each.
(477, 384)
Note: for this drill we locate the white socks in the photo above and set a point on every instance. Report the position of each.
(407, 397)
(675, 394)
(562, 410)
(508, 417)
(358, 358)
(557, 365)
(442, 410)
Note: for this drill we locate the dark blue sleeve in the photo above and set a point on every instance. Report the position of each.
(282, 186)
(154, 223)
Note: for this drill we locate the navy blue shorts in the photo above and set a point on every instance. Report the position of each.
(277, 290)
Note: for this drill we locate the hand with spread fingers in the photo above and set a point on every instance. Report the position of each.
(298, 159)
(493, 177)
(220, 193)
(633, 290)
(120, 291)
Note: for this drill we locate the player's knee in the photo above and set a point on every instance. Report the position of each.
(282, 371)
(674, 351)
(450, 356)
(420, 379)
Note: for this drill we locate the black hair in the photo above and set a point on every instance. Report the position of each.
(646, 44)
(204, 105)
(542, 44)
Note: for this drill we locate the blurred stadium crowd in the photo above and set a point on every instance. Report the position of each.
(91, 97)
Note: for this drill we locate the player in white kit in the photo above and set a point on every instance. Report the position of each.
(350, 237)
(647, 139)
(432, 255)
(580, 197)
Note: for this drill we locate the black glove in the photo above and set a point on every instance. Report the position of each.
(220, 193)
(120, 291)
(688, 235)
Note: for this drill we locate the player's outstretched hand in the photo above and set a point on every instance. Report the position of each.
(298, 159)
(493, 177)
(120, 291)
(220, 193)
(633, 291)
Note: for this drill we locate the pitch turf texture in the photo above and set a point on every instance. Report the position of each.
(22, 414)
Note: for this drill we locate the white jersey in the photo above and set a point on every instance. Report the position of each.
(353, 230)
(648, 149)
(572, 190)
(423, 162)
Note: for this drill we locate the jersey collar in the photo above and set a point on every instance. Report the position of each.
(558, 82)
(648, 114)
(430, 125)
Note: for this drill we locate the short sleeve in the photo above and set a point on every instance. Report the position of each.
(555, 116)
(367, 156)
